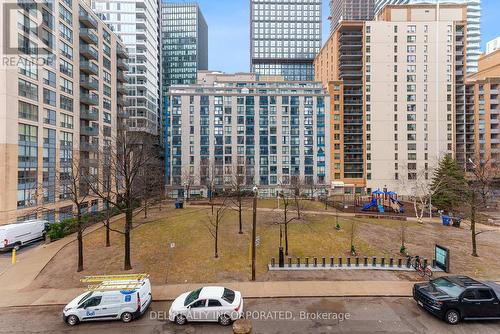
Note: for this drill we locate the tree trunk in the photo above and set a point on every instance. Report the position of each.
(216, 235)
(286, 239)
(145, 209)
(80, 242)
(128, 227)
(473, 225)
(108, 242)
(239, 216)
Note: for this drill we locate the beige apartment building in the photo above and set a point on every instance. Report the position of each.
(393, 84)
(484, 85)
(61, 100)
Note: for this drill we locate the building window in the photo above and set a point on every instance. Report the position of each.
(28, 111)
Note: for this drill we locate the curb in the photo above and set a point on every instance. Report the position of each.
(269, 297)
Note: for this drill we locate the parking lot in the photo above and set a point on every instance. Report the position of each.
(284, 315)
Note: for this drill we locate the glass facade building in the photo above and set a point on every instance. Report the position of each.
(349, 10)
(285, 37)
(184, 43)
(137, 23)
(235, 126)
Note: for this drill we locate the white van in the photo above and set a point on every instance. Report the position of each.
(114, 297)
(17, 235)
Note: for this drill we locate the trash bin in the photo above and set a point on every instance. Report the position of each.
(456, 222)
(179, 205)
(446, 220)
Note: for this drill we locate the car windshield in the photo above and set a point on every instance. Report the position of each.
(448, 287)
(192, 297)
(85, 298)
(228, 295)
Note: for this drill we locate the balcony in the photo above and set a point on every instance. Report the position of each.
(89, 99)
(89, 130)
(86, 162)
(86, 19)
(121, 101)
(121, 89)
(89, 36)
(121, 52)
(89, 67)
(89, 82)
(89, 114)
(89, 147)
(89, 52)
(121, 64)
(121, 77)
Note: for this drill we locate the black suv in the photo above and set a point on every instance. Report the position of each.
(455, 298)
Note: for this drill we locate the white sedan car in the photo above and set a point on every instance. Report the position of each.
(207, 304)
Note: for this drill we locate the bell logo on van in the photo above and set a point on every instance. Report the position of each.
(128, 298)
(90, 313)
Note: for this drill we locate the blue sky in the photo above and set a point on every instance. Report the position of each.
(229, 34)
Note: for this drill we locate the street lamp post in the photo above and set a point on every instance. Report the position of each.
(254, 228)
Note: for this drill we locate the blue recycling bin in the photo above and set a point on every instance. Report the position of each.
(179, 205)
(446, 220)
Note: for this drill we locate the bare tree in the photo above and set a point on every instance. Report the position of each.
(128, 159)
(290, 209)
(353, 236)
(418, 183)
(238, 197)
(150, 183)
(478, 194)
(188, 179)
(74, 181)
(214, 223)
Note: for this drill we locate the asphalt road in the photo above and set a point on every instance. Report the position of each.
(360, 315)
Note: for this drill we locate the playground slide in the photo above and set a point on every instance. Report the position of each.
(401, 205)
(369, 205)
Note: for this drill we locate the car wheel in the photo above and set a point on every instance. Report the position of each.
(72, 320)
(180, 320)
(224, 320)
(127, 317)
(452, 317)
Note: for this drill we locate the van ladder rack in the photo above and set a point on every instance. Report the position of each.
(111, 278)
(125, 286)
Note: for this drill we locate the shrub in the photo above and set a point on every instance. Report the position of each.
(61, 229)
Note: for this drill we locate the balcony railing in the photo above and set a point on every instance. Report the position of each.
(90, 99)
(88, 36)
(89, 82)
(89, 67)
(89, 130)
(88, 51)
(86, 19)
(89, 114)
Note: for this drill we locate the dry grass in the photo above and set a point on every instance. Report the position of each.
(192, 258)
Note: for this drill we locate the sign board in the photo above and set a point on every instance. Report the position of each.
(172, 245)
(442, 256)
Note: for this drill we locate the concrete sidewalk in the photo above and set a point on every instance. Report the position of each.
(280, 289)
(31, 263)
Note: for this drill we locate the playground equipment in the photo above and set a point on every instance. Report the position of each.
(379, 198)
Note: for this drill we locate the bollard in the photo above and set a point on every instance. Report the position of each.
(331, 261)
(408, 262)
(357, 261)
(323, 260)
(289, 262)
(425, 263)
(298, 262)
(272, 262)
(315, 259)
(433, 263)
(391, 262)
(13, 256)
(348, 261)
(382, 262)
(340, 262)
(374, 261)
(400, 263)
(366, 261)
(307, 262)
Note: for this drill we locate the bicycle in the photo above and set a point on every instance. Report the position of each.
(417, 264)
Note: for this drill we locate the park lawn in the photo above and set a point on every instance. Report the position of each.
(305, 204)
(176, 247)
